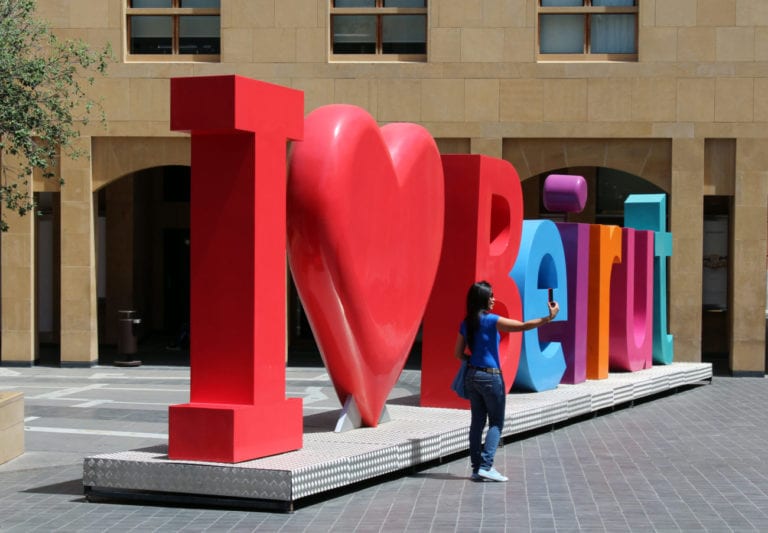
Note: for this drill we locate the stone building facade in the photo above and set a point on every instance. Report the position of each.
(678, 102)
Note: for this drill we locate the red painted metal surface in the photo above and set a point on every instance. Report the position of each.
(483, 224)
(237, 409)
(365, 223)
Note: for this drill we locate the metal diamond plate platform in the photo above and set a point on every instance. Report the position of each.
(328, 460)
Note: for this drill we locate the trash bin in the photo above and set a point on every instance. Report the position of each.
(126, 341)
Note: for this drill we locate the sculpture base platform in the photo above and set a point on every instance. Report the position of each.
(329, 460)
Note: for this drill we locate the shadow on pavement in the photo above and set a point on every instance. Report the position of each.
(73, 487)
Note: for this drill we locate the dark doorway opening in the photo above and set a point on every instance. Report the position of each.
(716, 284)
(176, 279)
(176, 284)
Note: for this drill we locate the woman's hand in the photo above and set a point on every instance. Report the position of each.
(554, 308)
(508, 325)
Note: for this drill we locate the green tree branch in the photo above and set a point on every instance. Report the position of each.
(43, 99)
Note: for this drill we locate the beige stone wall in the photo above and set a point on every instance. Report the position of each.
(79, 340)
(700, 79)
(698, 68)
(11, 425)
(685, 275)
(481, 79)
(17, 283)
(749, 246)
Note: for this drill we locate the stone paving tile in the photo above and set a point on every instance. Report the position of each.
(691, 461)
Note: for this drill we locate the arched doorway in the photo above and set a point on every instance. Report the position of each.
(608, 188)
(143, 247)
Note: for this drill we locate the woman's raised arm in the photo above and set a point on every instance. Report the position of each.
(509, 325)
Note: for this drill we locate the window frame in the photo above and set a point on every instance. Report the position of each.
(175, 12)
(378, 11)
(586, 9)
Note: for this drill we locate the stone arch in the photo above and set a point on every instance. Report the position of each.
(128, 176)
(115, 157)
(650, 159)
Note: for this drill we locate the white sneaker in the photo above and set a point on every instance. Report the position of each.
(492, 475)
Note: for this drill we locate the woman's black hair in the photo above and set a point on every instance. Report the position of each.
(478, 302)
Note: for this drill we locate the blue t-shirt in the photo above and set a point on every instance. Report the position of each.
(485, 348)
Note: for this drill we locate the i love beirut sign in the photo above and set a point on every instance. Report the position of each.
(384, 235)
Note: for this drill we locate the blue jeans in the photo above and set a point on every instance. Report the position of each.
(487, 398)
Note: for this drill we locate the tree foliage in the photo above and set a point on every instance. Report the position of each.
(43, 99)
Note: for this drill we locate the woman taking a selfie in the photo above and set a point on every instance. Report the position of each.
(480, 332)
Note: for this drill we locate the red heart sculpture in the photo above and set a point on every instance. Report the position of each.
(365, 230)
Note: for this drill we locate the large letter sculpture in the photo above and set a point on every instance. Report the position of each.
(649, 212)
(483, 221)
(540, 266)
(381, 231)
(631, 332)
(365, 226)
(572, 334)
(568, 194)
(604, 252)
(237, 409)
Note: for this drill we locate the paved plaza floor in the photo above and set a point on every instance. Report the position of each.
(696, 460)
